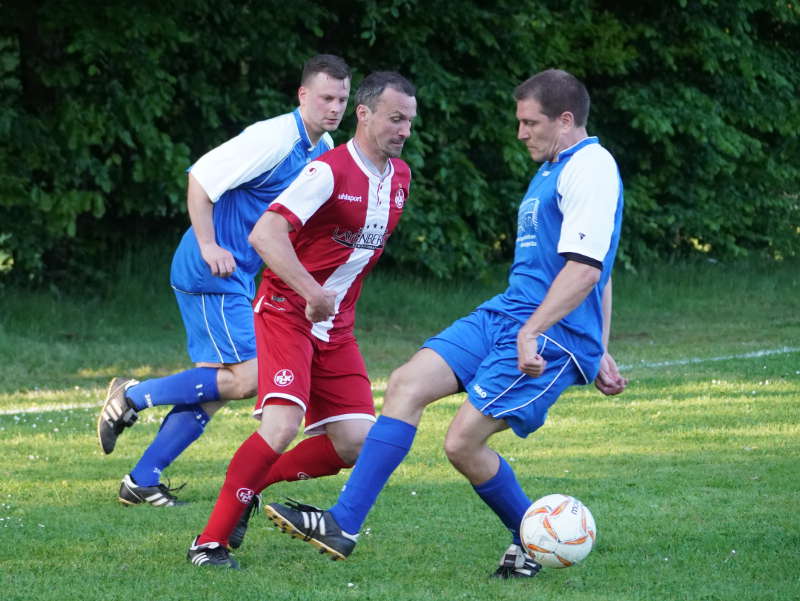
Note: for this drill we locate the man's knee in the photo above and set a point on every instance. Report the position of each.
(280, 425)
(457, 447)
(348, 438)
(239, 381)
(403, 389)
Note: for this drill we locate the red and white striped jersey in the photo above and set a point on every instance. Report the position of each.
(342, 214)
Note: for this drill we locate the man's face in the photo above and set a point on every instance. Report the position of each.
(323, 100)
(388, 127)
(540, 134)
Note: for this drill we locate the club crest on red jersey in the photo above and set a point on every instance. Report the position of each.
(400, 198)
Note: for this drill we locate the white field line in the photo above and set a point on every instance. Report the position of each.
(692, 360)
(49, 407)
(381, 386)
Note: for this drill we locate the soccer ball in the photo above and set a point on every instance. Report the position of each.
(558, 531)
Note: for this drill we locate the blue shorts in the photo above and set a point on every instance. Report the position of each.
(481, 349)
(219, 327)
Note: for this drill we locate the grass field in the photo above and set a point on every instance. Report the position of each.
(693, 474)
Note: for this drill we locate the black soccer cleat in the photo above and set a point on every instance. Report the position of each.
(117, 413)
(237, 536)
(516, 563)
(159, 495)
(314, 526)
(212, 555)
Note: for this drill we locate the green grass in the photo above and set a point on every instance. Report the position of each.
(693, 474)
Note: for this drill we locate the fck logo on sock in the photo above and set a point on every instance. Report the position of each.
(245, 495)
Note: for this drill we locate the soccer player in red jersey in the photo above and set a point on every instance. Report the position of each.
(319, 239)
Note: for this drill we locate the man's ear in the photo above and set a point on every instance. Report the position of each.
(362, 112)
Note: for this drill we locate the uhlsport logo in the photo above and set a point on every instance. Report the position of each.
(400, 198)
(245, 495)
(349, 197)
(283, 377)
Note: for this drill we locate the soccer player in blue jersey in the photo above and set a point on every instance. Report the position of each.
(517, 352)
(213, 276)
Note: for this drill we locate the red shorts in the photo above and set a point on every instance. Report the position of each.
(328, 380)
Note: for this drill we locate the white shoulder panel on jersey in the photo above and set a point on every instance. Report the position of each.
(306, 194)
(327, 140)
(259, 148)
(588, 188)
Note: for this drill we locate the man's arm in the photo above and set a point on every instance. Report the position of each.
(572, 284)
(201, 214)
(270, 238)
(609, 381)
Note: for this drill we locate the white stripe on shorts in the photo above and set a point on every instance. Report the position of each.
(553, 381)
(227, 331)
(208, 329)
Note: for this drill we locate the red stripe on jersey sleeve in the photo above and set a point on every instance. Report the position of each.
(281, 210)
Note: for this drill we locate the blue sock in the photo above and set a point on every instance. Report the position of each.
(180, 428)
(197, 385)
(387, 444)
(505, 496)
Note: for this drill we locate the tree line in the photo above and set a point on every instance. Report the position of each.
(104, 105)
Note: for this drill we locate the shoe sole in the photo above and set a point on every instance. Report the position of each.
(288, 528)
(111, 389)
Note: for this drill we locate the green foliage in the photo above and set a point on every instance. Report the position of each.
(103, 109)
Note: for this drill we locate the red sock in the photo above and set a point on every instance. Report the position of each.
(311, 458)
(242, 480)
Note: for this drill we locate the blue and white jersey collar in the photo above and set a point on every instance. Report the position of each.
(301, 127)
(567, 152)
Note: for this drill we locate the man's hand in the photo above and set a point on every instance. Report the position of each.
(321, 306)
(219, 260)
(609, 381)
(529, 361)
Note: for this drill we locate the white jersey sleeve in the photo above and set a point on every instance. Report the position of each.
(258, 149)
(308, 192)
(588, 189)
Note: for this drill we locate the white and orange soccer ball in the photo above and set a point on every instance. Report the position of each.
(558, 531)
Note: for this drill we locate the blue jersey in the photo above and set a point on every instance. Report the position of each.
(242, 177)
(573, 207)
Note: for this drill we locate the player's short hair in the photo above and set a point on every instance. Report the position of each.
(557, 91)
(376, 82)
(330, 64)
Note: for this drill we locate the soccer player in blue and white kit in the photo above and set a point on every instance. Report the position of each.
(213, 276)
(517, 352)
